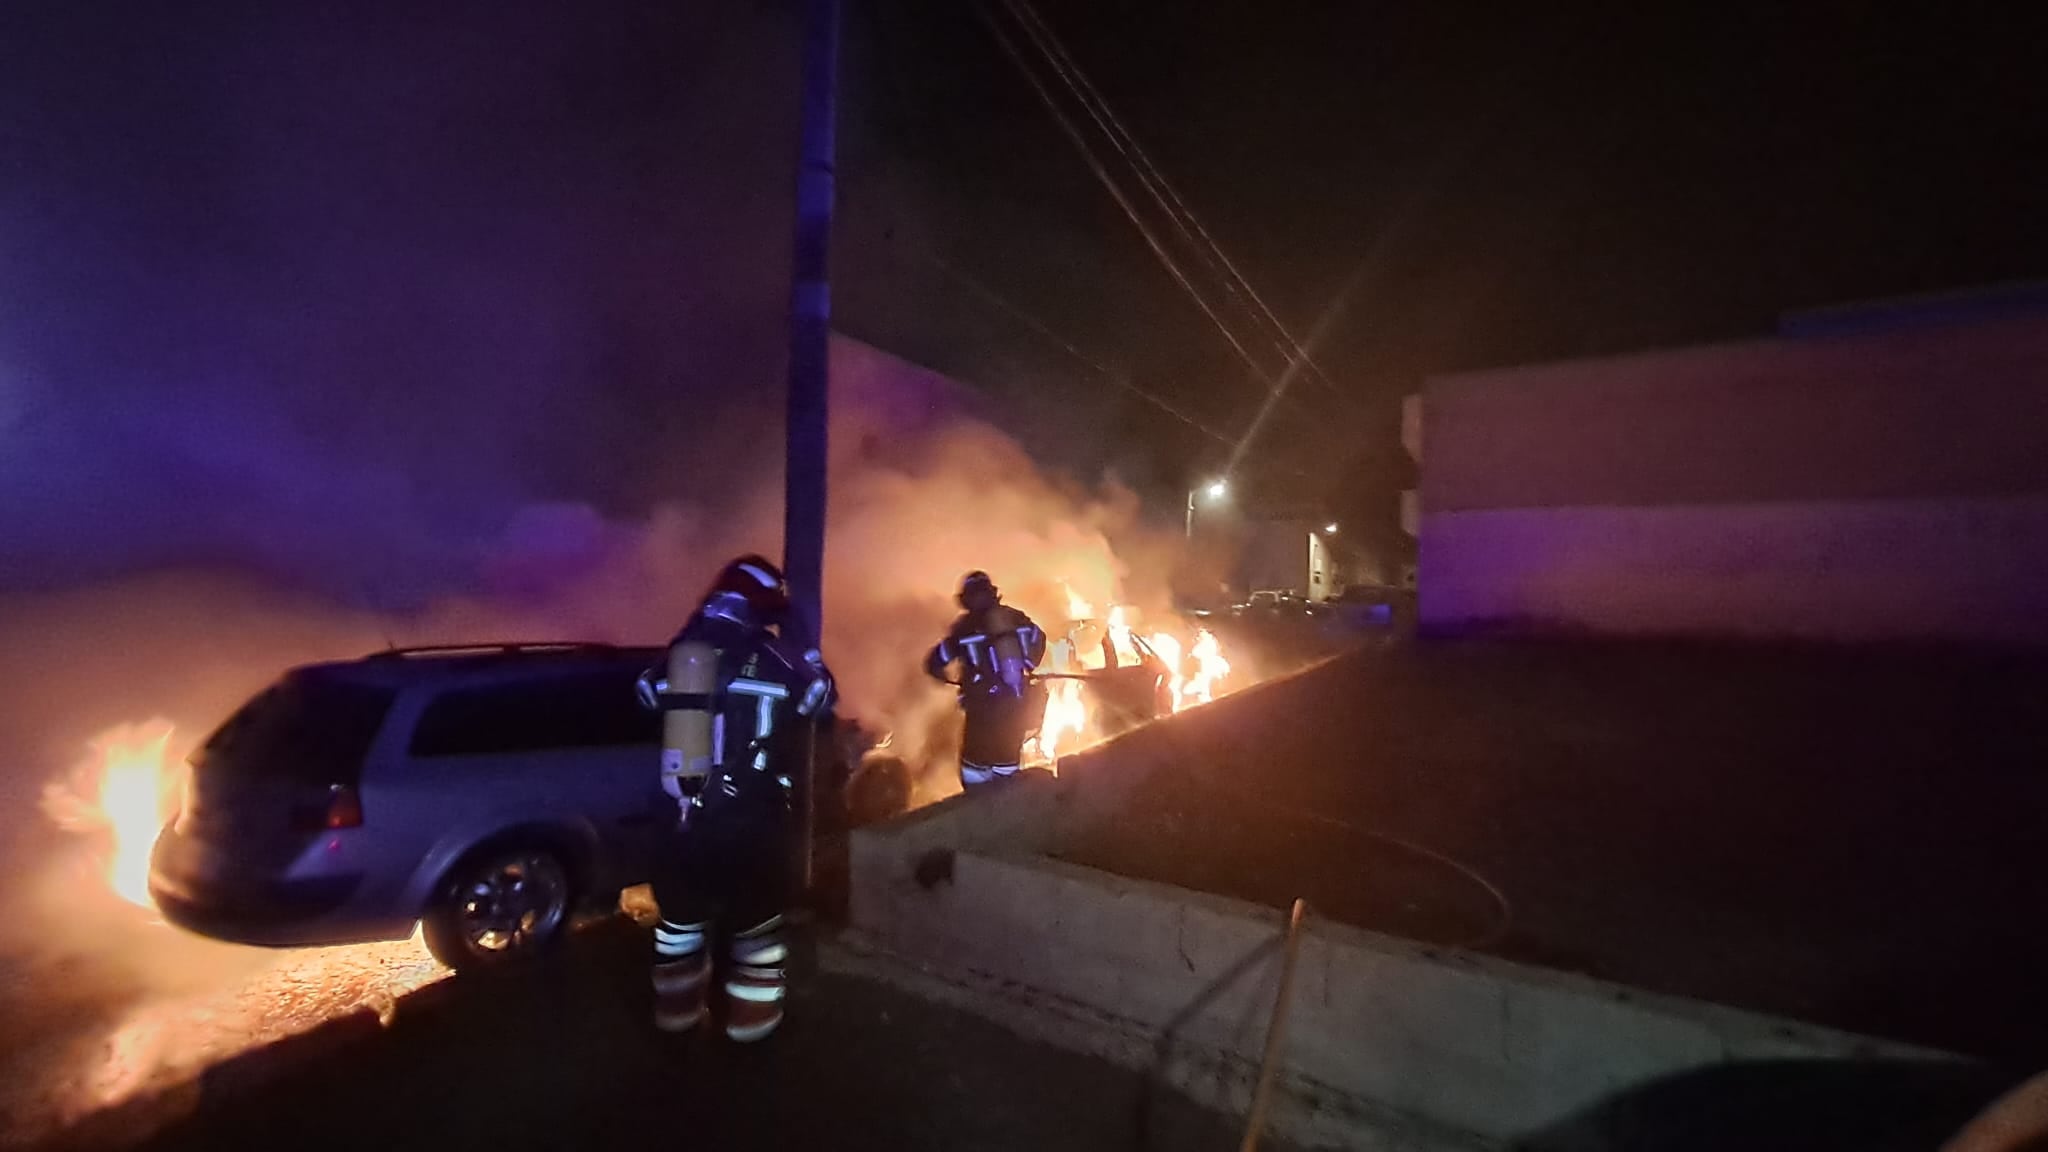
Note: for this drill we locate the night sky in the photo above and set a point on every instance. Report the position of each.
(453, 258)
(1508, 183)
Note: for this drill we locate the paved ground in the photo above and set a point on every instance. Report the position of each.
(562, 1058)
(1853, 838)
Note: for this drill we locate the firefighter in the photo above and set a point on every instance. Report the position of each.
(996, 648)
(740, 686)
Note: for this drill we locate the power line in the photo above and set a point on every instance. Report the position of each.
(1039, 327)
(1276, 391)
(1400, 218)
(1109, 184)
(1162, 189)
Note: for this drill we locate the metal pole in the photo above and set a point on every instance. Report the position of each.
(810, 336)
(1191, 513)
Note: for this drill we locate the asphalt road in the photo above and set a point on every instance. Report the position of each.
(131, 1009)
(561, 1056)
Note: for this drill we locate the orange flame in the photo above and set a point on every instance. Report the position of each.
(122, 791)
(1066, 726)
(1066, 714)
(1210, 667)
(1120, 638)
(1168, 647)
(1077, 608)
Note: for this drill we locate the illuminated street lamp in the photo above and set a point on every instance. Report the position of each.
(1215, 490)
(1330, 529)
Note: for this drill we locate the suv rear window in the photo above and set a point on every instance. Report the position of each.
(589, 709)
(303, 727)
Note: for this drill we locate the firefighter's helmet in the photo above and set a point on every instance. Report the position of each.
(978, 592)
(756, 580)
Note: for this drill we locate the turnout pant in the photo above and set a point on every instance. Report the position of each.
(722, 879)
(992, 747)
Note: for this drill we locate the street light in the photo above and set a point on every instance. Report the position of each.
(1214, 490)
(1330, 529)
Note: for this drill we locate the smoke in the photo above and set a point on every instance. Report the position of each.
(398, 271)
(921, 493)
(325, 333)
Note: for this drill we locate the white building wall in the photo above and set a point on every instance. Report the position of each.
(1874, 486)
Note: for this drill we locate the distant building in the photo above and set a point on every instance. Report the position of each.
(1296, 557)
(1411, 498)
(1876, 473)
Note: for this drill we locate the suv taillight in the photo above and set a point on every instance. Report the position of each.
(342, 809)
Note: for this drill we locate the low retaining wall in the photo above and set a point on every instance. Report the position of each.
(1390, 1043)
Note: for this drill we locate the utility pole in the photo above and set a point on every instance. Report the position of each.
(810, 338)
(810, 318)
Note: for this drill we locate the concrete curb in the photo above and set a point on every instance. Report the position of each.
(1392, 1043)
(1309, 1114)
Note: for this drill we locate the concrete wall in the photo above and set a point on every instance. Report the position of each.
(1867, 486)
(1391, 1044)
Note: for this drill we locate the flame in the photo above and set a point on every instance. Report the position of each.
(1210, 667)
(1168, 647)
(122, 790)
(1066, 726)
(1120, 638)
(1066, 715)
(1077, 608)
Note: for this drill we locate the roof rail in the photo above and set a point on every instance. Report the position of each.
(432, 650)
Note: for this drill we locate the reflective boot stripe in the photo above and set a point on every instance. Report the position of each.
(757, 993)
(762, 945)
(756, 996)
(752, 1030)
(682, 975)
(673, 941)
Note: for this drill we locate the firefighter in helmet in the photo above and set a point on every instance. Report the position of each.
(739, 686)
(996, 647)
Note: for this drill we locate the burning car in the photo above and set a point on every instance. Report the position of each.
(1122, 681)
(1100, 677)
(480, 793)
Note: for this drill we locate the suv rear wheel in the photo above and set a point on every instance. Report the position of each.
(499, 906)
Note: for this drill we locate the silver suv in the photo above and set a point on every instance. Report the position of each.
(481, 793)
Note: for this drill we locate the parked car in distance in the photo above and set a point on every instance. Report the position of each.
(1272, 604)
(1370, 608)
(481, 793)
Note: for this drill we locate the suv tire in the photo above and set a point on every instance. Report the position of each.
(500, 906)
